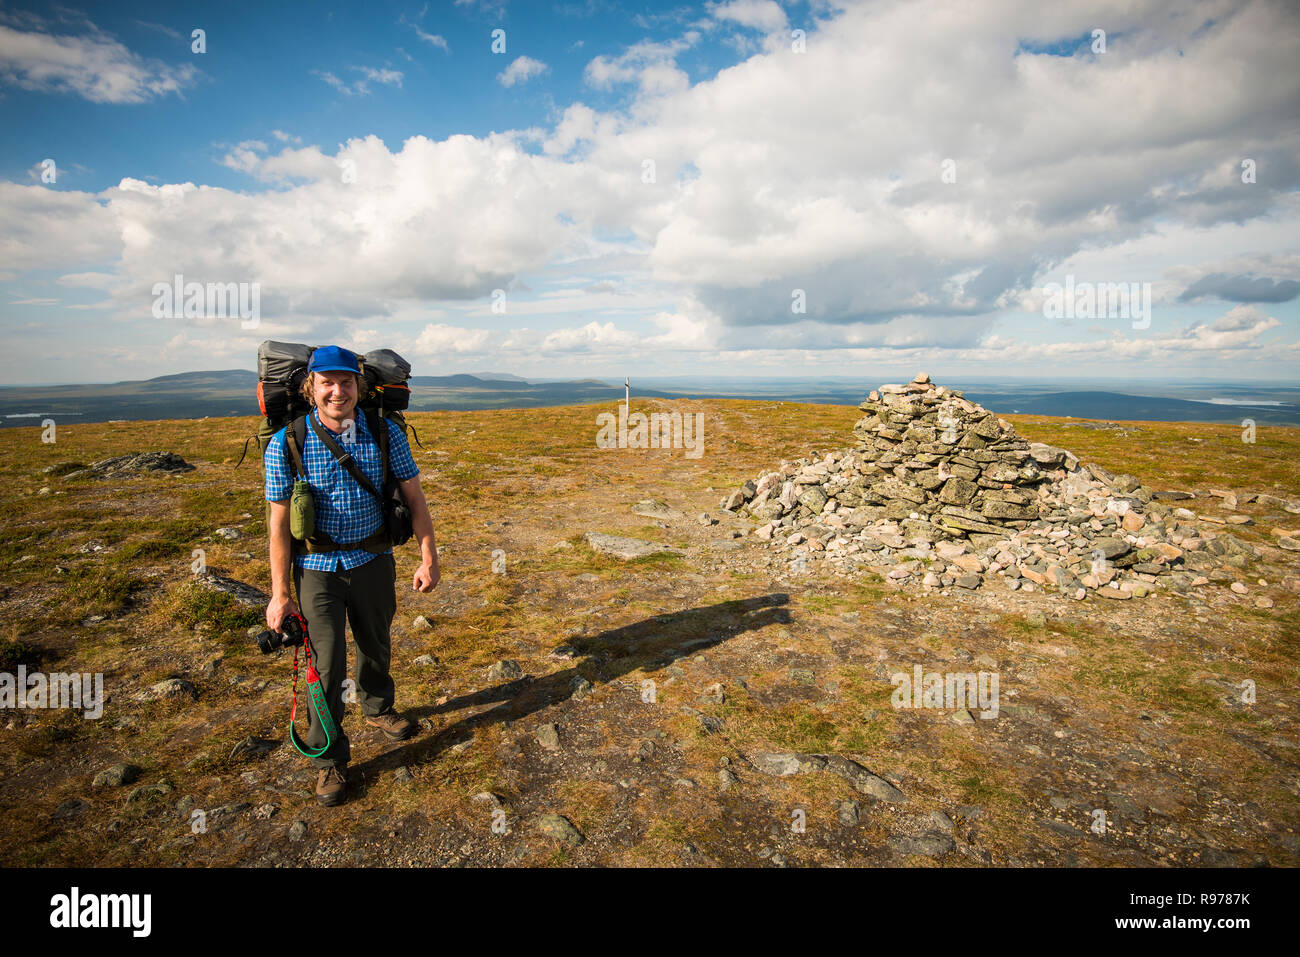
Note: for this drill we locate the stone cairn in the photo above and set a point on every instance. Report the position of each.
(939, 492)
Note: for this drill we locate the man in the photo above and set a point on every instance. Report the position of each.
(350, 582)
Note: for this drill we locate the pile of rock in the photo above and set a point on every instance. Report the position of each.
(123, 466)
(940, 492)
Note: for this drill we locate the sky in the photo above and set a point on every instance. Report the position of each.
(598, 189)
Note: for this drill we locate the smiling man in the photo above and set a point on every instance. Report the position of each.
(354, 581)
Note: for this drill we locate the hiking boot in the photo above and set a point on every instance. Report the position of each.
(392, 724)
(332, 786)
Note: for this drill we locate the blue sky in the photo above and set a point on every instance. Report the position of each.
(262, 71)
(650, 189)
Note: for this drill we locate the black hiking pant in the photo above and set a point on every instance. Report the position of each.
(364, 597)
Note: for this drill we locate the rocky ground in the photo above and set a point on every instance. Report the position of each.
(614, 671)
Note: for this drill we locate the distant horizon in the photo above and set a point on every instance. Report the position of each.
(700, 377)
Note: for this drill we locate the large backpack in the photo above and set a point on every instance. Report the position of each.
(282, 369)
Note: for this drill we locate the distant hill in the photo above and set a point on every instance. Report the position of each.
(498, 376)
(1140, 408)
(233, 392)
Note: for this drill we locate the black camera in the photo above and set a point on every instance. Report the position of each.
(293, 632)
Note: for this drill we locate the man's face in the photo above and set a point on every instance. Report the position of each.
(335, 394)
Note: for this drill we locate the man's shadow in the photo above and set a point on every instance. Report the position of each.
(650, 643)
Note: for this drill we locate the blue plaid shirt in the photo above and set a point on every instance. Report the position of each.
(344, 510)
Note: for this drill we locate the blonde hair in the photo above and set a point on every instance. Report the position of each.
(309, 387)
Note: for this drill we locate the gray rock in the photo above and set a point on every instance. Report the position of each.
(245, 595)
(652, 508)
(709, 724)
(548, 736)
(813, 499)
(505, 670)
(168, 688)
(125, 465)
(863, 780)
(625, 548)
(297, 830)
(560, 828)
(1110, 547)
(847, 811)
(713, 694)
(145, 791)
(785, 763)
(1125, 484)
(929, 844)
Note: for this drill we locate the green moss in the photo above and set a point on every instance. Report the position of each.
(91, 590)
(190, 604)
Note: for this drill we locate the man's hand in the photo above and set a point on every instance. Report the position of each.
(426, 578)
(278, 609)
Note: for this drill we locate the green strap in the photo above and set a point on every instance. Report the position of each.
(317, 697)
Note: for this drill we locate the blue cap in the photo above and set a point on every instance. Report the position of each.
(333, 359)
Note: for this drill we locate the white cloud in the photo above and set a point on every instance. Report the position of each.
(432, 39)
(765, 15)
(360, 87)
(89, 280)
(439, 339)
(54, 229)
(385, 76)
(93, 66)
(590, 337)
(521, 70)
(651, 65)
(333, 81)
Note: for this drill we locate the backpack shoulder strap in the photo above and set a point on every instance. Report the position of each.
(379, 431)
(295, 440)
